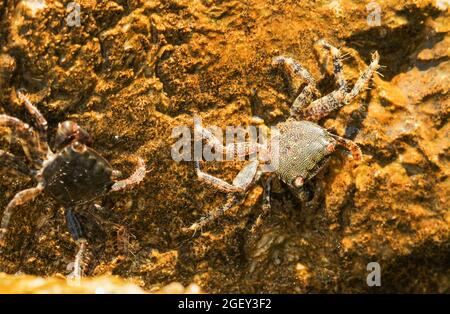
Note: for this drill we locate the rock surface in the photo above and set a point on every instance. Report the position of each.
(133, 70)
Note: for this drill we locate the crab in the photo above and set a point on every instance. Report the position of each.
(303, 146)
(73, 174)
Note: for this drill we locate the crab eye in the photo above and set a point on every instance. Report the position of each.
(68, 132)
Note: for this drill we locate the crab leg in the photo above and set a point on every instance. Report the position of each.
(213, 215)
(337, 63)
(77, 272)
(73, 224)
(245, 178)
(364, 78)
(76, 232)
(28, 139)
(42, 125)
(8, 160)
(19, 199)
(241, 149)
(349, 145)
(240, 184)
(266, 205)
(134, 179)
(323, 106)
(308, 93)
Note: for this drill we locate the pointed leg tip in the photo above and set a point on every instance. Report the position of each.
(280, 60)
(21, 93)
(140, 171)
(141, 163)
(192, 228)
(375, 58)
(74, 277)
(2, 237)
(357, 155)
(255, 226)
(276, 60)
(186, 230)
(322, 42)
(376, 55)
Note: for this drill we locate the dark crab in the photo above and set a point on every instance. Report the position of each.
(73, 175)
(303, 147)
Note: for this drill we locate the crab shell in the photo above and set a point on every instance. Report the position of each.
(303, 151)
(77, 175)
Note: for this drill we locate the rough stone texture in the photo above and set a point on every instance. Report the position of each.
(133, 70)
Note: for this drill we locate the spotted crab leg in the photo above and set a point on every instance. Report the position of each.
(323, 106)
(76, 230)
(135, 178)
(77, 272)
(266, 205)
(240, 183)
(27, 137)
(245, 178)
(349, 145)
(337, 63)
(232, 200)
(8, 160)
(19, 199)
(308, 93)
(233, 150)
(364, 78)
(42, 125)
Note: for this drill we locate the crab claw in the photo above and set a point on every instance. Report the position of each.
(349, 145)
